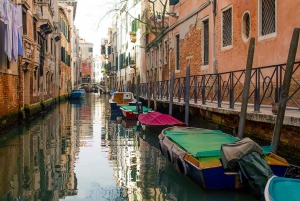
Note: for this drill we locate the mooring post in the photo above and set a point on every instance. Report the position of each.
(246, 88)
(148, 91)
(171, 92)
(284, 95)
(137, 88)
(187, 95)
(155, 90)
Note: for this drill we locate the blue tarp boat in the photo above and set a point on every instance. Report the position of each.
(281, 188)
(78, 94)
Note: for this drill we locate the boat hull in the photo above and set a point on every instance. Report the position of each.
(114, 107)
(77, 95)
(129, 115)
(208, 171)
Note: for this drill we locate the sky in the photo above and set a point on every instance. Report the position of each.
(88, 20)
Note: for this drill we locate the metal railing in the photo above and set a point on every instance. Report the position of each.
(227, 88)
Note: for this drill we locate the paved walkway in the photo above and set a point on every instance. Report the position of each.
(292, 115)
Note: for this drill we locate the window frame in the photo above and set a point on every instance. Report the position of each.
(177, 53)
(206, 19)
(244, 36)
(259, 22)
(222, 21)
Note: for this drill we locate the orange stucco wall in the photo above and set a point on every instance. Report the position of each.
(270, 51)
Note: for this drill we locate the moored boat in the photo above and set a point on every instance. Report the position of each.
(281, 188)
(131, 112)
(121, 99)
(78, 94)
(196, 153)
(155, 121)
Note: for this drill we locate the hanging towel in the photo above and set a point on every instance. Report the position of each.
(8, 28)
(15, 29)
(20, 33)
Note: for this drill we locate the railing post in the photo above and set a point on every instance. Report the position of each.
(203, 89)
(195, 88)
(171, 92)
(178, 90)
(219, 90)
(257, 91)
(284, 95)
(187, 94)
(167, 90)
(231, 90)
(246, 88)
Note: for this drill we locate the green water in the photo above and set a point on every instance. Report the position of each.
(77, 151)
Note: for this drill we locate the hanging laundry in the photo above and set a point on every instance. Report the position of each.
(16, 31)
(8, 28)
(1, 9)
(20, 32)
(15, 28)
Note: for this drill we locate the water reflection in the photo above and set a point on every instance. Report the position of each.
(79, 151)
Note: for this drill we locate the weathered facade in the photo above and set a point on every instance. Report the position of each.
(33, 82)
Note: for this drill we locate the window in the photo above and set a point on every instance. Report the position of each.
(7, 63)
(51, 46)
(205, 42)
(34, 30)
(24, 20)
(166, 52)
(246, 26)
(227, 27)
(177, 67)
(267, 17)
(90, 49)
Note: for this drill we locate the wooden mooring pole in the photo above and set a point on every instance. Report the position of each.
(285, 89)
(137, 88)
(171, 92)
(246, 88)
(187, 95)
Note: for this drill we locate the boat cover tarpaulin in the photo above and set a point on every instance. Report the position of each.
(134, 110)
(233, 152)
(200, 142)
(247, 156)
(158, 119)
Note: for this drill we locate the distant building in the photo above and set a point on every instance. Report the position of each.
(98, 69)
(86, 51)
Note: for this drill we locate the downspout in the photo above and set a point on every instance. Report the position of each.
(214, 9)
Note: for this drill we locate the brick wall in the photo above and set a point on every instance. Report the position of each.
(8, 93)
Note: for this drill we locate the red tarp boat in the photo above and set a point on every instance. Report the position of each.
(156, 121)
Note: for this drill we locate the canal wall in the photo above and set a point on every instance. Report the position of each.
(259, 126)
(27, 113)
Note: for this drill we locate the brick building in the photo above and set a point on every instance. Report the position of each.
(214, 36)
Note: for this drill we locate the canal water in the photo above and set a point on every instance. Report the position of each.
(78, 151)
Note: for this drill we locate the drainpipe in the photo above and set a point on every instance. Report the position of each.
(214, 10)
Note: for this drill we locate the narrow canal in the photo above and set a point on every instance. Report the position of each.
(78, 151)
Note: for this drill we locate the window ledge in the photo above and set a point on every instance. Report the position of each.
(227, 48)
(204, 67)
(268, 36)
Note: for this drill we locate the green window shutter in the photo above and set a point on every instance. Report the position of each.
(134, 26)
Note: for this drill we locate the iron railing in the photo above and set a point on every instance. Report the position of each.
(227, 88)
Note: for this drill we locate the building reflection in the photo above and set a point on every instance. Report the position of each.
(136, 162)
(37, 161)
